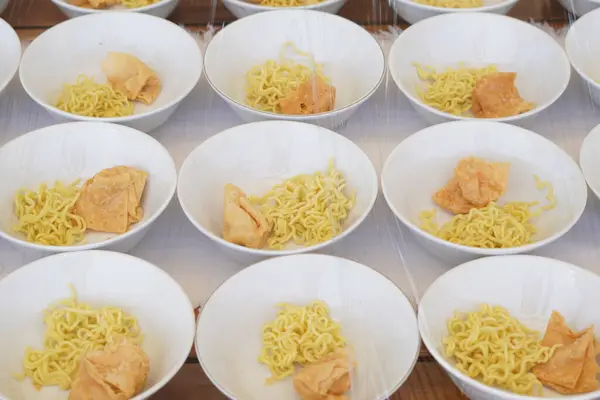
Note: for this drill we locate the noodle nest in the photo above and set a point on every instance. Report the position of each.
(72, 329)
(495, 348)
(308, 209)
(299, 334)
(452, 3)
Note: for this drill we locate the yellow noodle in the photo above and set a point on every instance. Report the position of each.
(493, 347)
(90, 99)
(451, 91)
(288, 3)
(268, 83)
(308, 209)
(452, 3)
(72, 329)
(46, 216)
(138, 3)
(299, 334)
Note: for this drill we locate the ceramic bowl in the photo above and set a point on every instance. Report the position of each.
(266, 153)
(529, 287)
(241, 8)
(579, 7)
(435, 151)
(483, 39)
(79, 150)
(413, 12)
(59, 55)
(350, 56)
(161, 9)
(100, 278)
(588, 160)
(375, 316)
(10, 53)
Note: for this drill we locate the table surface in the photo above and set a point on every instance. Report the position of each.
(404, 262)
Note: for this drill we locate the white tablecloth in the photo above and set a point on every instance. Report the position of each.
(381, 242)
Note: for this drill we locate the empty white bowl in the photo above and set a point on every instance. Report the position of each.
(100, 278)
(257, 156)
(62, 53)
(350, 56)
(242, 8)
(529, 287)
(413, 12)
(579, 7)
(162, 9)
(376, 319)
(424, 162)
(541, 65)
(79, 150)
(583, 45)
(10, 53)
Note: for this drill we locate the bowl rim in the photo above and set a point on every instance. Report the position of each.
(135, 228)
(135, 117)
(416, 101)
(266, 252)
(68, 6)
(15, 38)
(476, 250)
(568, 50)
(448, 367)
(290, 117)
(582, 164)
(309, 256)
(106, 253)
(445, 10)
(257, 7)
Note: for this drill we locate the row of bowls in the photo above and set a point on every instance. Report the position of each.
(542, 68)
(282, 149)
(227, 335)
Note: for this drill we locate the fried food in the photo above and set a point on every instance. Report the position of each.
(242, 223)
(327, 379)
(129, 75)
(496, 96)
(311, 97)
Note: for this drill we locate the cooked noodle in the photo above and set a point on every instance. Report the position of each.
(308, 209)
(491, 346)
(90, 99)
(451, 91)
(288, 3)
(300, 335)
(268, 83)
(452, 3)
(138, 3)
(72, 329)
(46, 216)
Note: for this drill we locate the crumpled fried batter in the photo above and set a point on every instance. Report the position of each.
(118, 372)
(242, 223)
(129, 75)
(327, 379)
(496, 96)
(311, 97)
(475, 184)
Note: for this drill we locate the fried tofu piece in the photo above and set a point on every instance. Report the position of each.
(327, 379)
(450, 198)
(311, 97)
(242, 223)
(130, 76)
(496, 96)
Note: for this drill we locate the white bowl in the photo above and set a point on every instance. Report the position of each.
(541, 65)
(162, 9)
(62, 53)
(3, 5)
(582, 45)
(579, 7)
(413, 12)
(101, 278)
(75, 150)
(529, 287)
(434, 152)
(350, 56)
(10, 52)
(265, 153)
(376, 319)
(589, 160)
(242, 8)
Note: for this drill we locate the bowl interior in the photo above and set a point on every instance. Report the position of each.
(359, 298)
(529, 287)
(435, 151)
(350, 56)
(161, 307)
(589, 161)
(79, 150)
(10, 51)
(61, 54)
(484, 39)
(265, 154)
(583, 45)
